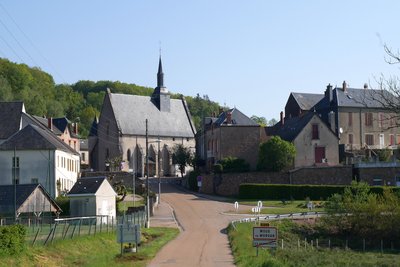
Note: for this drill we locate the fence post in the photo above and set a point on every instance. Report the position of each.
(317, 244)
(282, 243)
(312, 244)
(298, 243)
(381, 246)
(329, 244)
(347, 244)
(364, 245)
(305, 243)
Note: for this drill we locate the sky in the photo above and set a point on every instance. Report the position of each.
(245, 54)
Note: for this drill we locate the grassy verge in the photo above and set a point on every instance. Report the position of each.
(245, 254)
(99, 250)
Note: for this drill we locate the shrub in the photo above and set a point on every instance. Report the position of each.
(63, 202)
(12, 239)
(384, 154)
(233, 164)
(218, 168)
(192, 180)
(275, 155)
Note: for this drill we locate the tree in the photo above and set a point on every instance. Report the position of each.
(260, 120)
(182, 156)
(276, 155)
(272, 122)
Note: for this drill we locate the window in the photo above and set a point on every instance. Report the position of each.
(368, 119)
(15, 170)
(381, 120)
(83, 156)
(315, 133)
(391, 137)
(398, 139)
(369, 139)
(350, 139)
(350, 119)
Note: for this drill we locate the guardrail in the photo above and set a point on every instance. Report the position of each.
(272, 217)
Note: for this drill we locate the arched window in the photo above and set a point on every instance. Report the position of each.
(128, 155)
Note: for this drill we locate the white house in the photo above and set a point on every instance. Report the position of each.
(35, 155)
(93, 196)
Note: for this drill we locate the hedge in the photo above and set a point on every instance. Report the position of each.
(297, 192)
(12, 239)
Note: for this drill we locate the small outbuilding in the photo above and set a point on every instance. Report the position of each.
(31, 201)
(93, 196)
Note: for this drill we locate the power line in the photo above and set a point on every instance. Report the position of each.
(32, 44)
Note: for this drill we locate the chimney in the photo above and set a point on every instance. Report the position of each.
(328, 92)
(282, 118)
(332, 121)
(229, 117)
(344, 86)
(75, 128)
(365, 86)
(50, 123)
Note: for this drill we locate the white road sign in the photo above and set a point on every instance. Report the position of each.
(265, 236)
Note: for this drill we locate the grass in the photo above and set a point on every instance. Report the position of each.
(245, 254)
(278, 207)
(99, 250)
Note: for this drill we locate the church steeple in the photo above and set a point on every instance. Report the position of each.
(160, 95)
(160, 75)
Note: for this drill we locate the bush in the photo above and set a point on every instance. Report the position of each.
(63, 202)
(384, 154)
(218, 168)
(233, 164)
(192, 180)
(12, 239)
(298, 192)
(275, 155)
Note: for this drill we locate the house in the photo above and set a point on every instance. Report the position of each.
(300, 103)
(124, 122)
(231, 134)
(64, 129)
(84, 152)
(35, 155)
(315, 142)
(30, 200)
(93, 196)
(359, 119)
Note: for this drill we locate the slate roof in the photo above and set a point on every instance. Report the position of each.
(238, 118)
(84, 144)
(291, 127)
(87, 185)
(23, 192)
(10, 118)
(131, 111)
(307, 101)
(44, 122)
(360, 97)
(34, 137)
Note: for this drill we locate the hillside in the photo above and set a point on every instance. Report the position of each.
(79, 102)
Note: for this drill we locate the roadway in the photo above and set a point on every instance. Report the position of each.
(203, 240)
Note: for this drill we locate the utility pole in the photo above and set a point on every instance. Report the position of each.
(147, 178)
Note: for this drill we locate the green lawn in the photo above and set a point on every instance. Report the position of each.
(99, 250)
(245, 254)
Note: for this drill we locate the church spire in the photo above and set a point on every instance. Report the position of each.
(160, 75)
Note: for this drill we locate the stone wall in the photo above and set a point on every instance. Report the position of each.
(228, 183)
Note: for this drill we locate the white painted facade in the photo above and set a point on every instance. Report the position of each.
(41, 166)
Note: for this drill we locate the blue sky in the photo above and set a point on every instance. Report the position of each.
(248, 54)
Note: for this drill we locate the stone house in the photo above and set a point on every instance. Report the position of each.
(124, 122)
(315, 143)
(230, 134)
(359, 119)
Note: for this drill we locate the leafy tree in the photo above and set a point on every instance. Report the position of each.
(276, 154)
(182, 156)
(233, 164)
(262, 121)
(272, 122)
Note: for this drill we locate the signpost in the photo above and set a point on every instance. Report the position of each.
(128, 233)
(265, 236)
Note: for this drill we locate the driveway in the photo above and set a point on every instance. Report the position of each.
(203, 240)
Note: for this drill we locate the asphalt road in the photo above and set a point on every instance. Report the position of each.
(203, 240)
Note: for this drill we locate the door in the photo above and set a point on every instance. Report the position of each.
(319, 154)
(381, 141)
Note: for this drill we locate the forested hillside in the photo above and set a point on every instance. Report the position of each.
(79, 102)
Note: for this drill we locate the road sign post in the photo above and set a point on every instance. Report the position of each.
(265, 236)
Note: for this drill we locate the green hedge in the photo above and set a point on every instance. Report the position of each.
(297, 192)
(12, 239)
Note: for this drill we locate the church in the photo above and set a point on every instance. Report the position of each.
(120, 132)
